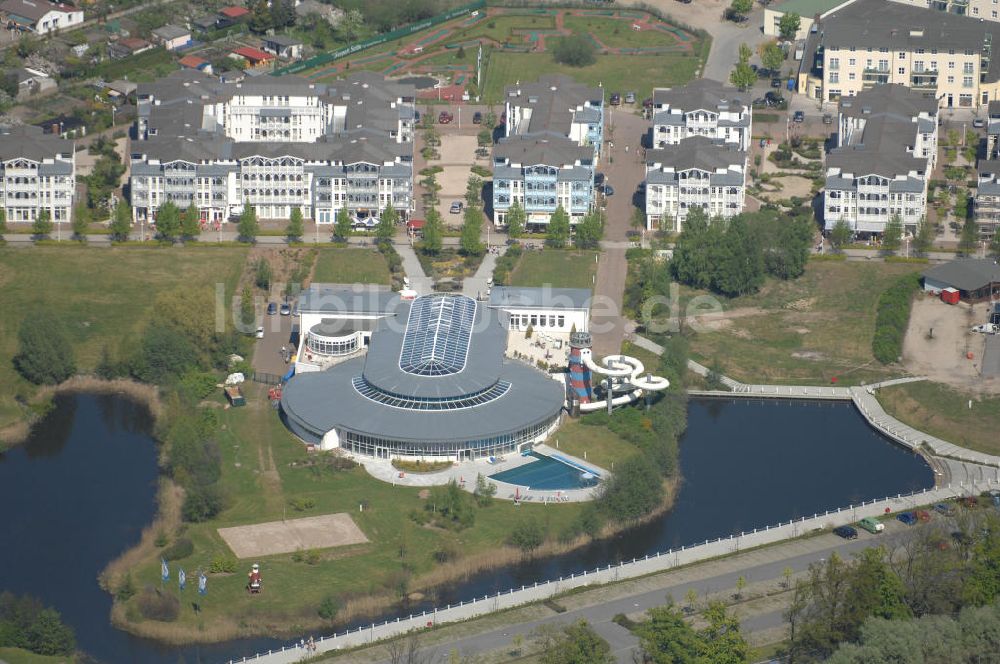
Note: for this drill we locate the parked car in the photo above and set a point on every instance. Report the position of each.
(827, 118)
(444, 117)
(923, 515)
(909, 518)
(286, 309)
(944, 508)
(978, 123)
(629, 97)
(799, 116)
(598, 178)
(609, 190)
(775, 82)
(456, 207)
(871, 525)
(477, 118)
(260, 333)
(272, 308)
(847, 532)
(616, 99)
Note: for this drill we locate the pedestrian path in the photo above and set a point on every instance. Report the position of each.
(419, 281)
(477, 285)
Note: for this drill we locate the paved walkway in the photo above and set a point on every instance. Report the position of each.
(476, 285)
(419, 281)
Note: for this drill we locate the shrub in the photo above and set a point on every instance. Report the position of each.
(446, 553)
(328, 608)
(202, 503)
(223, 565)
(527, 535)
(576, 51)
(126, 590)
(156, 605)
(196, 385)
(301, 504)
(44, 355)
(180, 549)
(893, 317)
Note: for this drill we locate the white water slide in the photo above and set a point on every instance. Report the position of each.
(624, 373)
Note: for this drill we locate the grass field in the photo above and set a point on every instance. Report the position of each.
(944, 412)
(804, 331)
(638, 73)
(264, 467)
(349, 265)
(19, 656)
(596, 444)
(501, 28)
(555, 268)
(102, 296)
(618, 33)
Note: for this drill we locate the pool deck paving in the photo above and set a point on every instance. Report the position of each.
(465, 474)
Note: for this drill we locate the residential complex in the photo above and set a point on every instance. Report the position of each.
(987, 203)
(274, 144)
(700, 137)
(979, 9)
(886, 151)
(37, 172)
(552, 139)
(944, 57)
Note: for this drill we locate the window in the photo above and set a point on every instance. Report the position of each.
(951, 79)
(868, 63)
(902, 55)
(967, 82)
(834, 64)
(918, 66)
(902, 71)
(967, 68)
(853, 62)
(951, 64)
(883, 65)
(834, 77)
(851, 76)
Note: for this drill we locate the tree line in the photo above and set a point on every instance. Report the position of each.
(27, 624)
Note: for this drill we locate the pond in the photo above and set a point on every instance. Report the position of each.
(81, 489)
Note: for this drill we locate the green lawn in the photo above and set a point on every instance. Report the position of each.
(556, 268)
(638, 73)
(19, 656)
(501, 28)
(102, 296)
(264, 467)
(142, 68)
(944, 412)
(618, 33)
(350, 265)
(596, 444)
(804, 331)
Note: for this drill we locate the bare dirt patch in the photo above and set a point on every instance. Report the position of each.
(938, 342)
(273, 537)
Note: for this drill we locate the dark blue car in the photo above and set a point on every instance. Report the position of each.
(909, 518)
(847, 532)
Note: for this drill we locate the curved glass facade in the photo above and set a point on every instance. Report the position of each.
(332, 345)
(369, 391)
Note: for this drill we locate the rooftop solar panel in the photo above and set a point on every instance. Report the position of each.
(438, 330)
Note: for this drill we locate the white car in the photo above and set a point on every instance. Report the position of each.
(260, 333)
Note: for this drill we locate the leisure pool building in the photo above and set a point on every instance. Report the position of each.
(382, 376)
(273, 144)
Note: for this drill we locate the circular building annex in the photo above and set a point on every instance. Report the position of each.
(434, 383)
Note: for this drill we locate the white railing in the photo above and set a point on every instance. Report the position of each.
(611, 573)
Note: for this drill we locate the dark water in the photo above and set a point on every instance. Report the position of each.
(83, 488)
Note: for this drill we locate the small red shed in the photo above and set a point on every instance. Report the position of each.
(950, 295)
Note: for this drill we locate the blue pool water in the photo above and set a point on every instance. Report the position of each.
(545, 474)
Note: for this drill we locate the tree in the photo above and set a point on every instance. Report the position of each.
(527, 535)
(42, 225)
(472, 229)
(742, 76)
(741, 583)
(352, 23)
(121, 222)
(48, 635)
(693, 261)
(892, 235)
(575, 50)
(786, 575)
(44, 354)
(633, 491)
(262, 274)
(433, 233)
(574, 644)
(386, 229)
(296, 227)
(80, 222)
(788, 26)
(969, 237)
(739, 267)
(460, 54)
(248, 226)
(342, 227)
(741, 7)
(721, 640)
(666, 638)
(772, 57)
(559, 229)
(590, 231)
(473, 191)
(515, 220)
(841, 234)
(745, 53)
(168, 222)
(924, 238)
(191, 223)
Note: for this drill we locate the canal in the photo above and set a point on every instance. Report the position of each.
(80, 491)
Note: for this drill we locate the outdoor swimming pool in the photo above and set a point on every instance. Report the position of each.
(546, 474)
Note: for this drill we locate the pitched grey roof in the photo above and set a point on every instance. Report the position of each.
(702, 94)
(171, 32)
(540, 298)
(553, 100)
(550, 151)
(698, 152)
(884, 145)
(31, 143)
(967, 274)
(283, 40)
(888, 98)
(33, 9)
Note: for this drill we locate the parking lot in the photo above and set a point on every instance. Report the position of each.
(268, 356)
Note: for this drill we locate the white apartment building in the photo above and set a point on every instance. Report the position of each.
(978, 9)
(701, 108)
(886, 151)
(943, 56)
(696, 173)
(40, 16)
(37, 172)
(275, 144)
(986, 207)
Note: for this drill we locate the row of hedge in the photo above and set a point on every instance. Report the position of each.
(892, 318)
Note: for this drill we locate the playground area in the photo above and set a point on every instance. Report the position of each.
(635, 51)
(274, 537)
